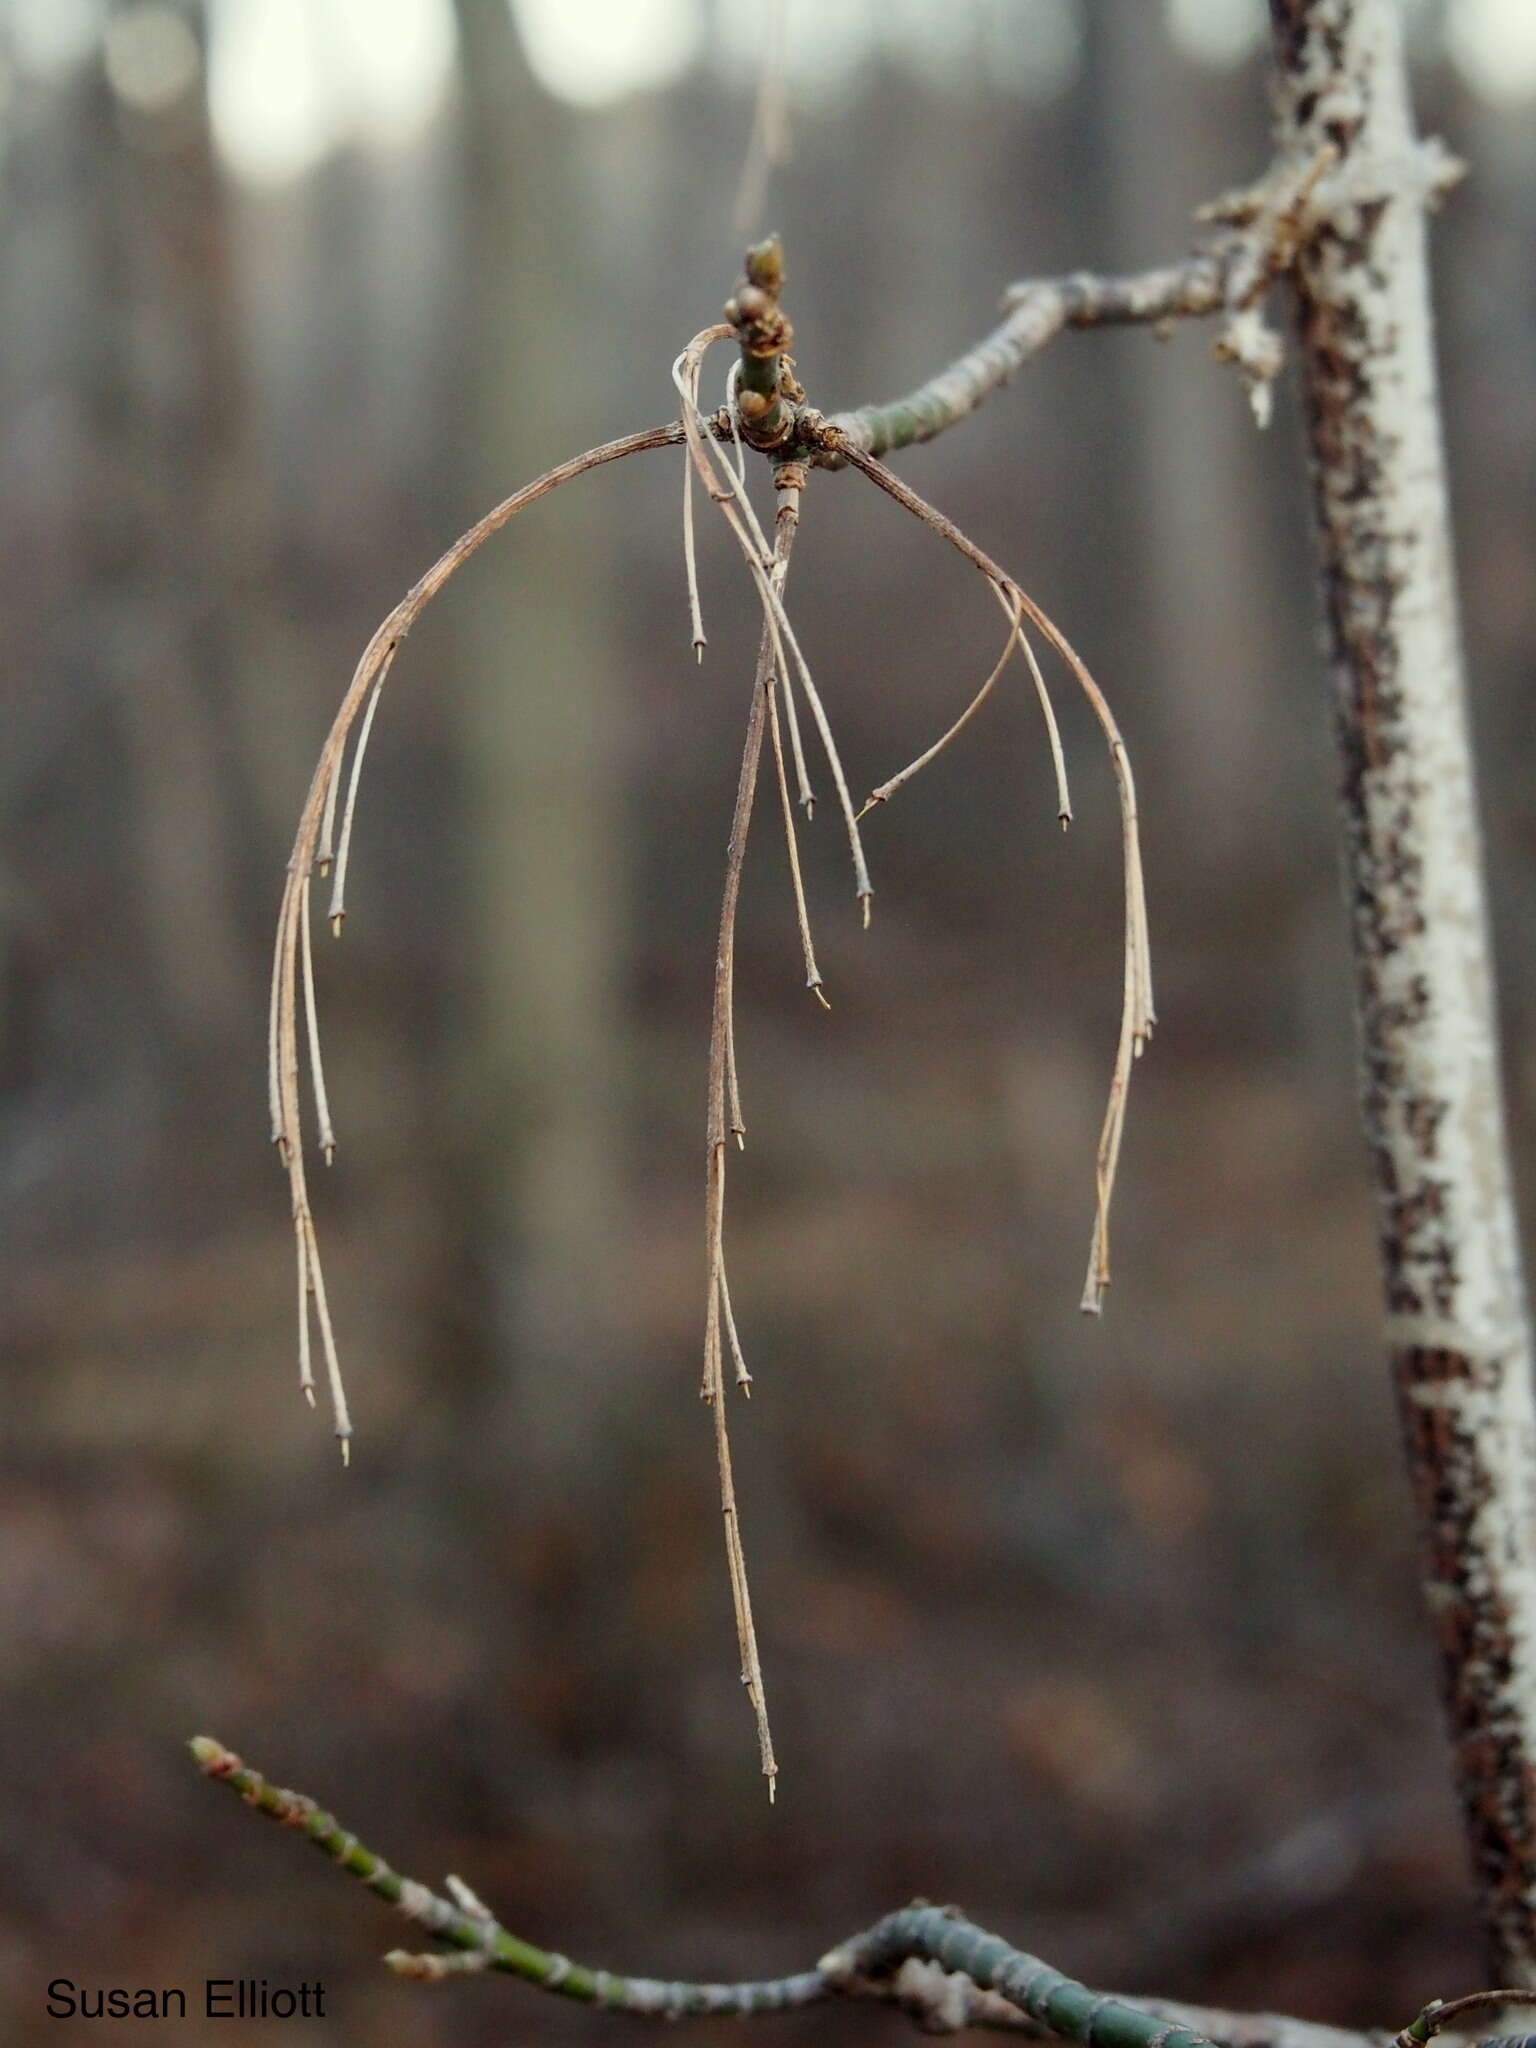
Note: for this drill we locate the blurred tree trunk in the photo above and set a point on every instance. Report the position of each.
(162, 390)
(541, 724)
(1204, 592)
(1457, 1323)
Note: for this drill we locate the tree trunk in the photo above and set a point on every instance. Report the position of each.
(1458, 1330)
(542, 759)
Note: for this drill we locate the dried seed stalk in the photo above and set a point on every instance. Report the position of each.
(313, 849)
(1137, 1015)
(719, 1322)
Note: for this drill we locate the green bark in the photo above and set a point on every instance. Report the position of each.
(937, 1934)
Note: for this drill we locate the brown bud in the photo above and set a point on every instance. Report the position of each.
(765, 264)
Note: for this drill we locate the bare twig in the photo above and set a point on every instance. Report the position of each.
(473, 1933)
(312, 1022)
(743, 1377)
(1047, 712)
(1442, 2013)
(1228, 276)
(722, 1102)
(792, 843)
(338, 907)
(1137, 1016)
(313, 846)
(888, 789)
(936, 1965)
(691, 566)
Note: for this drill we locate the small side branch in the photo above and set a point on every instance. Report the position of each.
(1229, 276)
(1036, 313)
(1443, 2014)
(468, 1929)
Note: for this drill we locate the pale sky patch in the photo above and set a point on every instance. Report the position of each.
(291, 80)
(1222, 33)
(1493, 44)
(52, 35)
(151, 57)
(592, 52)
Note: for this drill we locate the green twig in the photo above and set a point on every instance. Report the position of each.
(934, 1965)
(476, 1934)
(1441, 2013)
(1037, 313)
(1065, 2008)
(1269, 223)
(856, 1968)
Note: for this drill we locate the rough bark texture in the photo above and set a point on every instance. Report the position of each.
(1457, 1323)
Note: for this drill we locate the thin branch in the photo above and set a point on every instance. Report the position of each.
(723, 1103)
(1137, 1015)
(743, 1377)
(312, 1022)
(1441, 2013)
(1037, 312)
(691, 566)
(732, 1078)
(312, 843)
(792, 843)
(805, 795)
(338, 907)
(476, 1934)
(1048, 713)
(1008, 1988)
(1229, 275)
(888, 789)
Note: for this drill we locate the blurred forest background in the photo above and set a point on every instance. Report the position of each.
(1108, 1630)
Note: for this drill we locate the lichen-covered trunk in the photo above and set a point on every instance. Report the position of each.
(1457, 1324)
